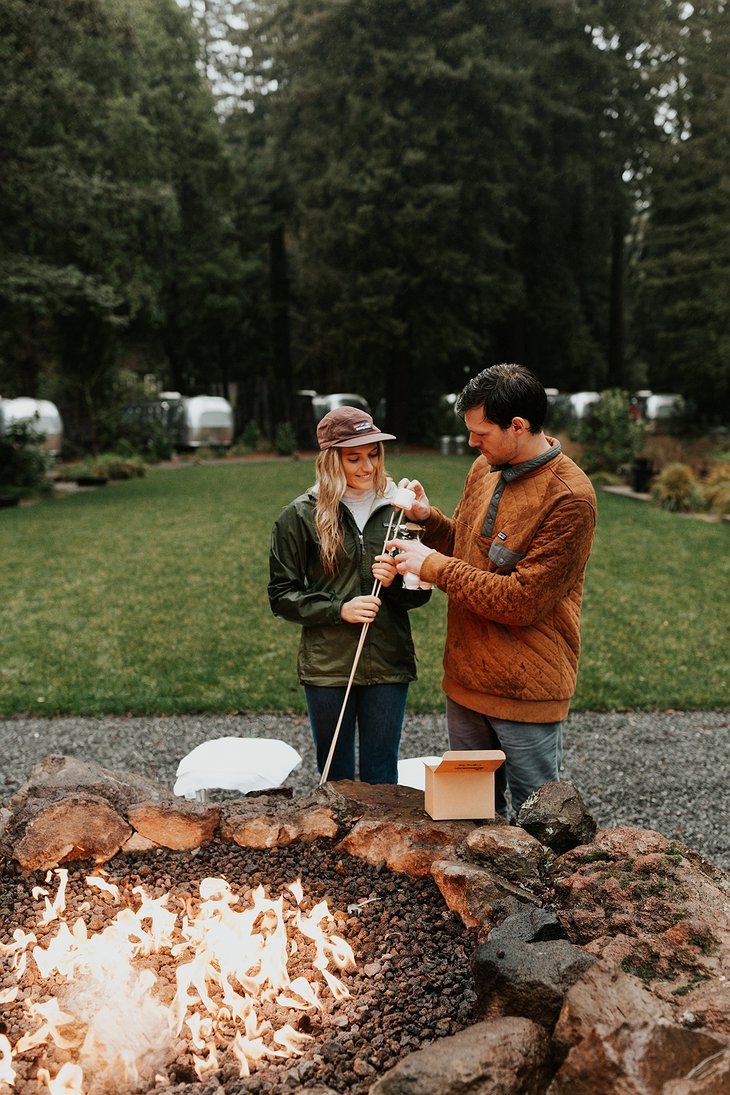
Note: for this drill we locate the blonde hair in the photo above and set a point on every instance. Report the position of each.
(331, 486)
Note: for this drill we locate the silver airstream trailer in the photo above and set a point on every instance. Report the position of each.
(40, 414)
(208, 422)
(662, 410)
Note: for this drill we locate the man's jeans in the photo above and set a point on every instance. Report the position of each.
(534, 750)
(378, 711)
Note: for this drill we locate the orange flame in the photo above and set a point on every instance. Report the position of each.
(120, 1022)
(7, 1072)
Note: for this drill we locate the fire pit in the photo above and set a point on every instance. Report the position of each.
(266, 971)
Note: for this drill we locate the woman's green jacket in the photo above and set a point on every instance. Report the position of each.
(301, 592)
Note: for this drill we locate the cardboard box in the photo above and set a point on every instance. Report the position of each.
(461, 785)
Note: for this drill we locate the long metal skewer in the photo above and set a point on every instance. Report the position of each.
(376, 589)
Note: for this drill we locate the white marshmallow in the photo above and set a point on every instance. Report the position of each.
(404, 498)
(412, 581)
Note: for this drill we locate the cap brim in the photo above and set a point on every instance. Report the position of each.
(364, 439)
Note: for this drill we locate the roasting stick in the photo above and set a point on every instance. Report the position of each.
(358, 652)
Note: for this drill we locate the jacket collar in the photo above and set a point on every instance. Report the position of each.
(514, 471)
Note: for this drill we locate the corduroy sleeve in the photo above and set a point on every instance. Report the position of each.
(550, 568)
(439, 532)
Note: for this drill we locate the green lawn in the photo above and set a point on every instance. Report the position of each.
(149, 596)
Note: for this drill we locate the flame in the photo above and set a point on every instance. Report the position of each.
(96, 881)
(53, 909)
(7, 1072)
(68, 1081)
(111, 1023)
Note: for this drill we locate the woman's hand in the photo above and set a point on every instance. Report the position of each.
(384, 570)
(360, 610)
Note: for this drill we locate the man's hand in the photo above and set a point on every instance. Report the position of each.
(410, 555)
(360, 610)
(421, 508)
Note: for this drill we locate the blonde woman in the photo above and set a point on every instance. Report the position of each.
(326, 550)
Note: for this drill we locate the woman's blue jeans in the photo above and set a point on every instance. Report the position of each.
(534, 750)
(376, 711)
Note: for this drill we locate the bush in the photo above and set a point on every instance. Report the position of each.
(606, 479)
(677, 489)
(716, 489)
(249, 439)
(121, 467)
(106, 466)
(147, 439)
(610, 436)
(24, 465)
(205, 453)
(285, 441)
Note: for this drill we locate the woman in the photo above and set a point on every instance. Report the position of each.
(326, 552)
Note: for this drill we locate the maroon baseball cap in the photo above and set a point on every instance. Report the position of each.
(345, 427)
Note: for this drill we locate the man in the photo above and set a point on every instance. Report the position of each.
(512, 562)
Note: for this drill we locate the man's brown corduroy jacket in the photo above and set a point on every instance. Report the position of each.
(512, 561)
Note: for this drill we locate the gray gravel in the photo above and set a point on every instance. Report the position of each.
(657, 770)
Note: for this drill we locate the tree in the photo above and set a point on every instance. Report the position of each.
(52, 205)
(462, 179)
(393, 124)
(683, 277)
(114, 194)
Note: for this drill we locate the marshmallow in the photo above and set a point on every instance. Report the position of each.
(404, 498)
(412, 581)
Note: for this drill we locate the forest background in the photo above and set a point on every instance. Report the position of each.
(247, 197)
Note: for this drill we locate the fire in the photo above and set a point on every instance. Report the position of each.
(111, 1017)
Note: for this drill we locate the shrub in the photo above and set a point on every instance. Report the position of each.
(677, 489)
(121, 467)
(285, 441)
(205, 453)
(249, 439)
(606, 479)
(134, 430)
(106, 466)
(147, 439)
(716, 489)
(24, 465)
(611, 437)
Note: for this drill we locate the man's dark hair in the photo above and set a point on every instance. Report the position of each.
(505, 392)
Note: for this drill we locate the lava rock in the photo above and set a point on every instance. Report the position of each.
(556, 815)
(528, 925)
(527, 979)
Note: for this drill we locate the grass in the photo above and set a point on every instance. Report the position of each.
(149, 596)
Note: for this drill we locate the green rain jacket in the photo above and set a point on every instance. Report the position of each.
(300, 591)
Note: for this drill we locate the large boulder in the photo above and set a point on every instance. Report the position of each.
(506, 1057)
(513, 977)
(651, 908)
(73, 809)
(55, 776)
(181, 825)
(388, 824)
(480, 897)
(509, 850)
(80, 826)
(604, 996)
(637, 1058)
(556, 815)
(268, 821)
